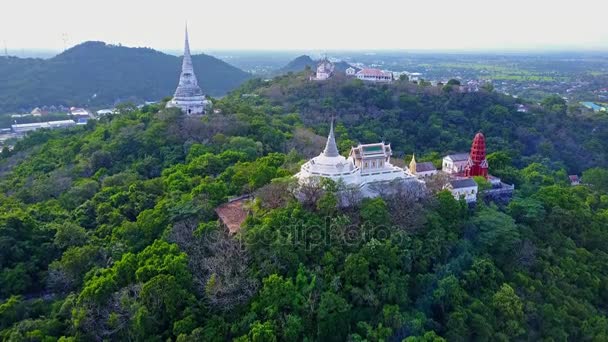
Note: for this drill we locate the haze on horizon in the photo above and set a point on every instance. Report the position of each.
(314, 24)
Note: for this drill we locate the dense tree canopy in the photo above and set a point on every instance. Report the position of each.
(109, 231)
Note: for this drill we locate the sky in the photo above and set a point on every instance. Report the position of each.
(311, 24)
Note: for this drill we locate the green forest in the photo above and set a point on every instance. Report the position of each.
(109, 231)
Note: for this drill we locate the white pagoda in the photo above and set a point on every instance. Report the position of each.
(188, 96)
(366, 165)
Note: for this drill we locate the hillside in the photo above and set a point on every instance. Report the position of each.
(298, 64)
(97, 74)
(109, 231)
(424, 119)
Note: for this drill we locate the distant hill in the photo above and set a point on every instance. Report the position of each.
(300, 63)
(98, 74)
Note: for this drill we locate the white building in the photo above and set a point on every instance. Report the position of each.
(455, 163)
(421, 170)
(374, 75)
(188, 96)
(103, 112)
(325, 70)
(79, 111)
(350, 71)
(465, 188)
(23, 128)
(366, 165)
(415, 76)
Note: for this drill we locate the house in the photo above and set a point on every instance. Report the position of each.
(465, 188)
(574, 180)
(455, 163)
(350, 71)
(103, 112)
(522, 108)
(79, 111)
(374, 75)
(38, 112)
(415, 76)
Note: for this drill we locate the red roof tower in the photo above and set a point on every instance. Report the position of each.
(477, 165)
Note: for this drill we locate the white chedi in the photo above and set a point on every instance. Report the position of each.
(188, 96)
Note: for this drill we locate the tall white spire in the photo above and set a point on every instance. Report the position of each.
(331, 150)
(187, 62)
(188, 96)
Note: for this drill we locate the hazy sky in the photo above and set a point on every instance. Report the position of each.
(310, 24)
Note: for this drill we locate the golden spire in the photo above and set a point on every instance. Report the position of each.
(413, 165)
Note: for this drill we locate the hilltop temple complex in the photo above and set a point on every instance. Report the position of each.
(189, 96)
(368, 166)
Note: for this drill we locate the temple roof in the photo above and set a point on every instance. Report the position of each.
(458, 156)
(463, 183)
(331, 150)
(425, 166)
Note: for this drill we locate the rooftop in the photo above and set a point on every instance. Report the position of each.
(425, 166)
(463, 183)
(372, 72)
(233, 214)
(458, 156)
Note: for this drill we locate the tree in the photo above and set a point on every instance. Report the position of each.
(509, 311)
(333, 317)
(69, 235)
(597, 178)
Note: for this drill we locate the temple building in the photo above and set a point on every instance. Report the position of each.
(421, 170)
(367, 164)
(477, 164)
(455, 164)
(465, 188)
(325, 70)
(462, 167)
(188, 96)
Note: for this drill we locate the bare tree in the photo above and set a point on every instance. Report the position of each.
(112, 320)
(436, 182)
(349, 196)
(306, 142)
(309, 192)
(219, 264)
(274, 195)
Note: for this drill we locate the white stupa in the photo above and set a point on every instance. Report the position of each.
(188, 96)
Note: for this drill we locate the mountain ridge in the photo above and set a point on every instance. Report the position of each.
(94, 73)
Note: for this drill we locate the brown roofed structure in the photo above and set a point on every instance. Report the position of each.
(233, 213)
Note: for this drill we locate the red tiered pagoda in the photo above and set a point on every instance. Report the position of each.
(477, 165)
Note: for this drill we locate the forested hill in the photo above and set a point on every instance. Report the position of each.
(97, 74)
(426, 120)
(108, 231)
(300, 63)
